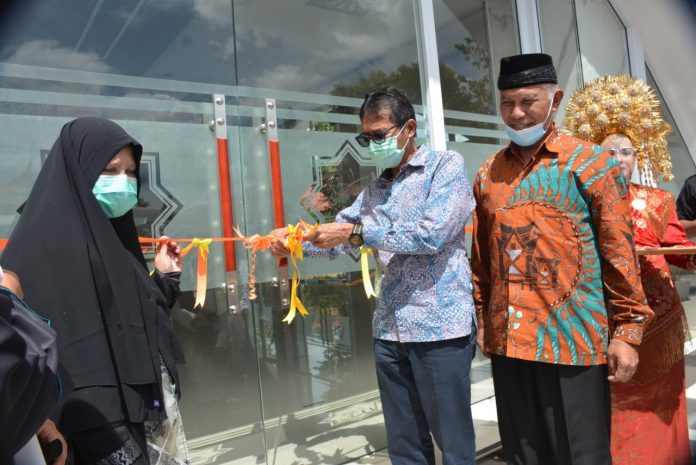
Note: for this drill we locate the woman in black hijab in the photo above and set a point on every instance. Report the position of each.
(76, 250)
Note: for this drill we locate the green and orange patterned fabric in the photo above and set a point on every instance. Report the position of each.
(554, 265)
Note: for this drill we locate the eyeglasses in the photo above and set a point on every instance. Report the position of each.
(623, 151)
(377, 136)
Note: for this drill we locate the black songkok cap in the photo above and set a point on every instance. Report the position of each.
(526, 70)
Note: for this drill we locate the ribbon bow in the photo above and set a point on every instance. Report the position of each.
(296, 234)
(202, 271)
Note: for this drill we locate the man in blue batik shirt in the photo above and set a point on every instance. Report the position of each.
(413, 216)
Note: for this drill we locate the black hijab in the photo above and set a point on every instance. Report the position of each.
(87, 273)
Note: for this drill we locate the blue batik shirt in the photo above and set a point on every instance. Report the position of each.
(415, 222)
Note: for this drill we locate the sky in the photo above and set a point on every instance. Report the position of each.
(299, 45)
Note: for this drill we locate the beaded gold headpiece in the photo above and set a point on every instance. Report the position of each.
(622, 105)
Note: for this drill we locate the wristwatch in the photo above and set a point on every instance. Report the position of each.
(355, 239)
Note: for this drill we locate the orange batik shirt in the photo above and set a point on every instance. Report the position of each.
(553, 254)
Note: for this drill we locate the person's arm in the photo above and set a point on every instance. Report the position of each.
(28, 385)
(689, 227)
(167, 274)
(443, 215)
(627, 308)
(168, 283)
(675, 236)
(686, 207)
(53, 443)
(480, 264)
(279, 249)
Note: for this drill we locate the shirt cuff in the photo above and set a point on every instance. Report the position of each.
(372, 234)
(631, 333)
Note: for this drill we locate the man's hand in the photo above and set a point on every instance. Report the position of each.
(330, 235)
(481, 341)
(168, 258)
(623, 361)
(278, 248)
(47, 435)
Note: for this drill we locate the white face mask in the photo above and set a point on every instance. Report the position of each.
(529, 136)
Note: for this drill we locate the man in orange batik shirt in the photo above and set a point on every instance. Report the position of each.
(557, 287)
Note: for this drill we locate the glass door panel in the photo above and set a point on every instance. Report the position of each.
(153, 68)
(319, 390)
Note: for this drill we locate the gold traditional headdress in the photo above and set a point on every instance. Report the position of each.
(622, 105)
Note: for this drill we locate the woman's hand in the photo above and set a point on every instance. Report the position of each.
(47, 434)
(11, 281)
(168, 258)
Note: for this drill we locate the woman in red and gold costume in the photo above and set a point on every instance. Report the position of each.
(649, 417)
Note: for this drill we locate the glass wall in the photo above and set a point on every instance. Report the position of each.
(152, 67)
(559, 38)
(254, 390)
(471, 39)
(320, 398)
(576, 33)
(599, 25)
(682, 161)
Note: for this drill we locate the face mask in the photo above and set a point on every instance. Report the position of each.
(116, 194)
(387, 154)
(529, 136)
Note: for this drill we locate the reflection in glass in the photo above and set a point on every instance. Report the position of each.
(471, 39)
(682, 161)
(337, 182)
(152, 67)
(559, 38)
(598, 25)
(320, 398)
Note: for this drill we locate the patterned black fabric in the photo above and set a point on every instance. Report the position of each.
(525, 70)
(129, 454)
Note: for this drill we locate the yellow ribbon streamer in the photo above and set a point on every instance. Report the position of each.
(202, 271)
(365, 265)
(293, 243)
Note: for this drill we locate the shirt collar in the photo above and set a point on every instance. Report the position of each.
(418, 159)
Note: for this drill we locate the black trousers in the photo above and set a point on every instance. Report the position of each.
(552, 414)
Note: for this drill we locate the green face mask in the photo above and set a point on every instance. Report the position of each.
(387, 154)
(116, 194)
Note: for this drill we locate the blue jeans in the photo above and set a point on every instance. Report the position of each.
(425, 388)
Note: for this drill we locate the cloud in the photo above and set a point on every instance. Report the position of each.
(216, 12)
(289, 77)
(49, 53)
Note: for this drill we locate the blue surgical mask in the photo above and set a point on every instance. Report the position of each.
(387, 154)
(116, 194)
(529, 136)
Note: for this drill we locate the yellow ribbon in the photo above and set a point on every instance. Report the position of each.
(294, 245)
(365, 265)
(202, 271)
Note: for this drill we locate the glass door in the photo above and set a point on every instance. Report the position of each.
(298, 97)
(155, 68)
